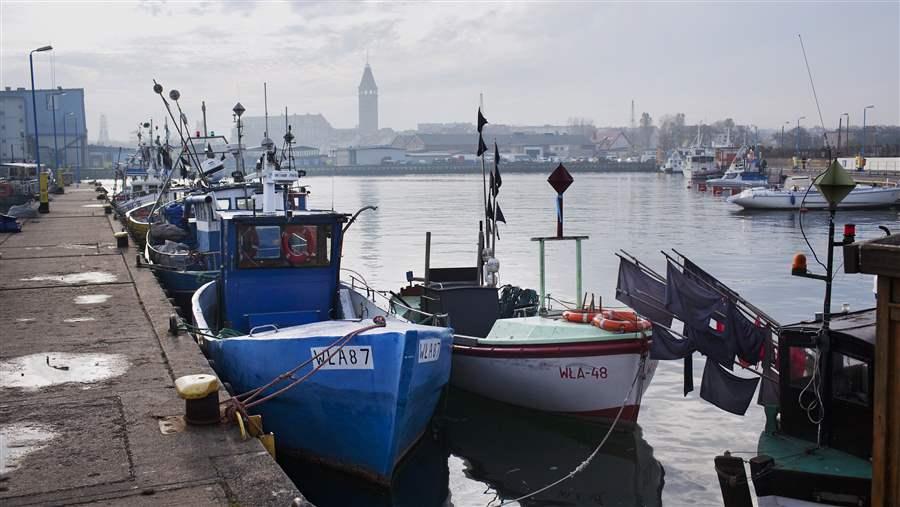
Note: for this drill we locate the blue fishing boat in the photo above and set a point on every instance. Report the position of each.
(360, 392)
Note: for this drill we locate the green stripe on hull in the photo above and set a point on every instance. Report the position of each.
(802, 456)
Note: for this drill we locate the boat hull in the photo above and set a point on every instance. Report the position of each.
(360, 419)
(782, 199)
(588, 380)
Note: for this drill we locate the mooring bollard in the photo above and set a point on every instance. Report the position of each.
(201, 398)
(107, 209)
(121, 239)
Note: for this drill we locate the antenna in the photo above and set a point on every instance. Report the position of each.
(203, 108)
(632, 114)
(815, 96)
(266, 107)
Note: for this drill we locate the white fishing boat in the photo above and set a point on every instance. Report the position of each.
(798, 192)
(674, 162)
(747, 170)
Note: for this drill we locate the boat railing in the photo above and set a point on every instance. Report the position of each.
(358, 282)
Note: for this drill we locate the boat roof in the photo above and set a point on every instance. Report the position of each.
(859, 325)
(239, 214)
(540, 330)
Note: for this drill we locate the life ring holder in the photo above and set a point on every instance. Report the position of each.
(621, 321)
(308, 233)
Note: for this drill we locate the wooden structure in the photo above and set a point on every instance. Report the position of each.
(882, 257)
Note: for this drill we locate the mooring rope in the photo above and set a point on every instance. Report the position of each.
(244, 401)
(587, 461)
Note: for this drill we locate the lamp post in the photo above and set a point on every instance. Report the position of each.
(863, 152)
(65, 139)
(37, 145)
(55, 145)
(782, 134)
(798, 134)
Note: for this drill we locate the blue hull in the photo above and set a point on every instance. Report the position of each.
(362, 419)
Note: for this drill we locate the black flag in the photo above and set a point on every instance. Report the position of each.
(496, 180)
(482, 148)
(490, 210)
(482, 121)
(500, 217)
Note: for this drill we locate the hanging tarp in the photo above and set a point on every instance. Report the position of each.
(641, 292)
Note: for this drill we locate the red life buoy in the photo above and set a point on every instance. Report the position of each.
(580, 316)
(621, 321)
(297, 256)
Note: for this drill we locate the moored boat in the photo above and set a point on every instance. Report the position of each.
(369, 386)
(800, 193)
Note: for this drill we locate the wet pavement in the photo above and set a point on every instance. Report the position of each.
(87, 374)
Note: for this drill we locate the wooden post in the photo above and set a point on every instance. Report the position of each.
(886, 415)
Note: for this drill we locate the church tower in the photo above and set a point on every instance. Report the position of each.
(368, 103)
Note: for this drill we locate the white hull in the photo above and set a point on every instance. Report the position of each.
(573, 385)
(786, 199)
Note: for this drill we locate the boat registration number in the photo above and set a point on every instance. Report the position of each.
(429, 350)
(346, 358)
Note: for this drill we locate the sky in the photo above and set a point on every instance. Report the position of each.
(535, 62)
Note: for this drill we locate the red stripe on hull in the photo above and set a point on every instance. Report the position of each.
(607, 348)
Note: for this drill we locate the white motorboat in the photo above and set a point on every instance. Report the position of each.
(675, 162)
(747, 170)
(798, 193)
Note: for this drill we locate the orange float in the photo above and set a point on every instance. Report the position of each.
(621, 321)
(580, 316)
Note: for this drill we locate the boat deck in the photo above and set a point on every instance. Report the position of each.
(553, 330)
(803, 456)
(88, 413)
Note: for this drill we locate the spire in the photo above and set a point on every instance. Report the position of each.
(367, 83)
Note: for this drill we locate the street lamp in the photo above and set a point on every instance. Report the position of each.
(65, 139)
(37, 145)
(782, 136)
(863, 152)
(798, 133)
(55, 145)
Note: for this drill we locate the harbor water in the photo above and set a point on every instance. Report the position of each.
(479, 452)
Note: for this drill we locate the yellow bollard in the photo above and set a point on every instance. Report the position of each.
(44, 179)
(60, 182)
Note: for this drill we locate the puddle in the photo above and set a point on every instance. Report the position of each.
(26, 319)
(50, 368)
(91, 299)
(80, 319)
(86, 277)
(93, 205)
(20, 439)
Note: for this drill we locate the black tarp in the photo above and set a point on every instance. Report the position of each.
(726, 390)
(646, 295)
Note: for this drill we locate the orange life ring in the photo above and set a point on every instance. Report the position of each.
(580, 316)
(621, 321)
(6, 190)
(308, 233)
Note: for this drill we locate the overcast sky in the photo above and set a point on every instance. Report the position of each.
(536, 62)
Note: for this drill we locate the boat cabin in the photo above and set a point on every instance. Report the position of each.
(278, 268)
(845, 384)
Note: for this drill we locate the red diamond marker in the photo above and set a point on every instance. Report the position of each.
(560, 179)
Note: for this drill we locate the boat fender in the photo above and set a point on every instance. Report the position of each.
(294, 256)
(793, 199)
(580, 316)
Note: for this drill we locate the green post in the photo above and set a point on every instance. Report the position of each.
(543, 288)
(578, 293)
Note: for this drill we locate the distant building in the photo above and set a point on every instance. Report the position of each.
(519, 143)
(65, 106)
(103, 136)
(368, 103)
(308, 129)
(612, 143)
(368, 155)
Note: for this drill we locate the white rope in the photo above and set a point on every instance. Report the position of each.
(590, 457)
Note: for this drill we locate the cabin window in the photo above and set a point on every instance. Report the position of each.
(850, 379)
(802, 365)
(289, 245)
(245, 203)
(223, 204)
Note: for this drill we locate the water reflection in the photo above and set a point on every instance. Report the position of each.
(517, 451)
(497, 453)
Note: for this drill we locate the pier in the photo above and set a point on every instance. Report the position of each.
(88, 409)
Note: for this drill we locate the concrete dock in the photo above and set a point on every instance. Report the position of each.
(88, 409)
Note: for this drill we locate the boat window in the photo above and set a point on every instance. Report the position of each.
(802, 365)
(290, 245)
(243, 203)
(850, 379)
(223, 203)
